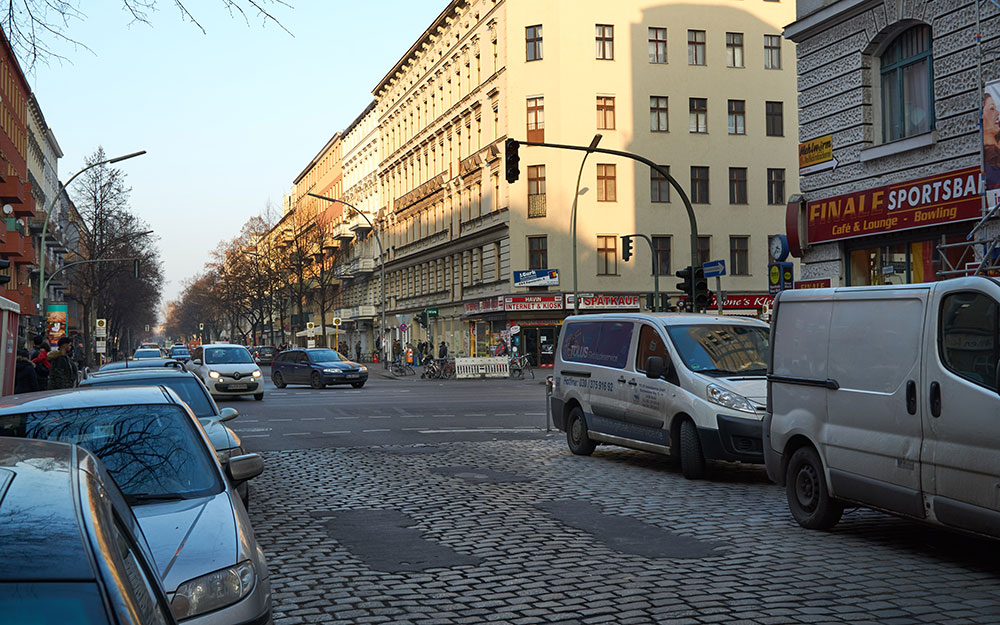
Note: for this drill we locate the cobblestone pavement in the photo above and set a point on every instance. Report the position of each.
(524, 532)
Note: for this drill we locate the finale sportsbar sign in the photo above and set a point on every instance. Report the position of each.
(925, 202)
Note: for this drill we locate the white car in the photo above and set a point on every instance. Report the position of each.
(226, 370)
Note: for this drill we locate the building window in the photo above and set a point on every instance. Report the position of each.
(704, 250)
(739, 256)
(907, 85)
(734, 49)
(772, 51)
(661, 248)
(607, 255)
(533, 42)
(657, 45)
(775, 119)
(658, 121)
(699, 185)
(536, 119)
(605, 113)
(696, 47)
(737, 185)
(538, 252)
(536, 190)
(606, 189)
(737, 117)
(605, 42)
(775, 186)
(659, 187)
(698, 115)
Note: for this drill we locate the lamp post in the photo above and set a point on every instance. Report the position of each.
(381, 251)
(48, 212)
(576, 196)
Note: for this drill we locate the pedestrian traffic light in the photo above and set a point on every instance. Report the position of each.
(651, 302)
(512, 160)
(626, 247)
(4, 266)
(701, 297)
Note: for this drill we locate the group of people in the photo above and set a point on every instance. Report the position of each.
(45, 368)
(423, 352)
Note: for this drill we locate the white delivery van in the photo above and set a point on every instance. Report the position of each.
(667, 383)
(886, 397)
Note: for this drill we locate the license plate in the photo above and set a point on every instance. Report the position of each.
(352, 375)
(237, 387)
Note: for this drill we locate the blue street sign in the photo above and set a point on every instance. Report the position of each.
(714, 268)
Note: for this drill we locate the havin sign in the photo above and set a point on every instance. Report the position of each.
(591, 301)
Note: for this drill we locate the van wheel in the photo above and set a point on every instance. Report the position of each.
(808, 498)
(692, 458)
(576, 434)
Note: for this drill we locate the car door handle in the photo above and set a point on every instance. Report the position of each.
(621, 380)
(911, 397)
(935, 399)
(632, 382)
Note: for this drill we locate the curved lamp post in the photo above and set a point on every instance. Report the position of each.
(576, 196)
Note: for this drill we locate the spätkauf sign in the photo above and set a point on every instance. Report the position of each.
(944, 198)
(604, 302)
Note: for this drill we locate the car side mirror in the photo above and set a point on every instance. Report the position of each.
(196, 361)
(227, 414)
(245, 467)
(655, 367)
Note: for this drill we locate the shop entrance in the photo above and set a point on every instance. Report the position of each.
(899, 262)
(539, 343)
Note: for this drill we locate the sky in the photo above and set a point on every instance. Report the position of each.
(228, 117)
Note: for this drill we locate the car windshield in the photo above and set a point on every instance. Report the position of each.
(186, 386)
(227, 356)
(52, 602)
(153, 452)
(325, 355)
(147, 353)
(268, 350)
(721, 350)
(179, 351)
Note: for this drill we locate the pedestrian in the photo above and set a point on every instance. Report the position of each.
(443, 350)
(357, 350)
(25, 378)
(42, 364)
(63, 372)
(36, 341)
(397, 351)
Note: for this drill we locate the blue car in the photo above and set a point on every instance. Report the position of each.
(316, 367)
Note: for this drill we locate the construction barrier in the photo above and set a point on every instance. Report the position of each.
(468, 368)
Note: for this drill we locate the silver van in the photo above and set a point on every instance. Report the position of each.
(886, 397)
(665, 383)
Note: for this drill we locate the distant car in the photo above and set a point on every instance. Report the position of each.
(152, 445)
(147, 363)
(146, 353)
(227, 370)
(189, 387)
(316, 367)
(180, 352)
(264, 354)
(71, 550)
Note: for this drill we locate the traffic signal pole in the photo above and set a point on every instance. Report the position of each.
(656, 272)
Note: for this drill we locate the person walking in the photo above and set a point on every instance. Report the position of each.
(357, 350)
(42, 364)
(63, 372)
(25, 378)
(443, 350)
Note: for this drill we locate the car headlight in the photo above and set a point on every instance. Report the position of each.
(729, 399)
(213, 591)
(332, 371)
(256, 373)
(214, 375)
(363, 369)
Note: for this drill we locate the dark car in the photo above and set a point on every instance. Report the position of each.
(145, 363)
(180, 352)
(316, 367)
(264, 354)
(71, 550)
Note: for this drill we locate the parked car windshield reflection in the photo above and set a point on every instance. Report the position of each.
(325, 355)
(147, 353)
(153, 452)
(186, 387)
(722, 349)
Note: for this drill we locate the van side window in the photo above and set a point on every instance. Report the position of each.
(967, 337)
(652, 344)
(603, 343)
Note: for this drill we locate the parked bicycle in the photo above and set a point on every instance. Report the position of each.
(439, 369)
(520, 366)
(401, 369)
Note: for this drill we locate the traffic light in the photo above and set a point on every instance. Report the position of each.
(422, 319)
(512, 160)
(651, 302)
(701, 297)
(4, 266)
(626, 247)
(685, 285)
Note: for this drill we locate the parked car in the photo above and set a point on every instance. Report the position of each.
(264, 354)
(71, 550)
(145, 353)
(679, 384)
(316, 367)
(227, 370)
(160, 457)
(147, 363)
(886, 397)
(179, 352)
(192, 392)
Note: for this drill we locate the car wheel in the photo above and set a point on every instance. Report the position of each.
(316, 380)
(278, 380)
(692, 457)
(258, 397)
(576, 434)
(357, 384)
(808, 498)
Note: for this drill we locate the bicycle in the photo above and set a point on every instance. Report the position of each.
(439, 369)
(400, 370)
(521, 365)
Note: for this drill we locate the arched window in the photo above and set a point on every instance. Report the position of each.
(907, 67)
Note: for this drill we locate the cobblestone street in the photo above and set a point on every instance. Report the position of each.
(524, 532)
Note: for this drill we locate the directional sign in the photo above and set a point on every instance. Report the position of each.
(431, 312)
(310, 343)
(336, 322)
(402, 327)
(102, 328)
(714, 268)
(102, 347)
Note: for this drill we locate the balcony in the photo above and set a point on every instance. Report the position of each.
(341, 232)
(345, 271)
(18, 195)
(15, 245)
(366, 265)
(23, 298)
(363, 312)
(359, 225)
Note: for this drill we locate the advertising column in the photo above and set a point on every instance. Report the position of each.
(55, 317)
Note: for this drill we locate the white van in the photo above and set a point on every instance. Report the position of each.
(663, 383)
(886, 397)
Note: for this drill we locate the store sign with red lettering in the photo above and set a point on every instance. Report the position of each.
(820, 283)
(492, 304)
(944, 198)
(516, 303)
(591, 301)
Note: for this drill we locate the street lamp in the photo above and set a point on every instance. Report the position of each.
(576, 196)
(381, 251)
(48, 212)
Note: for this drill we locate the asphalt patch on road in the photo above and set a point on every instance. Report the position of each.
(479, 475)
(384, 541)
(629, 535)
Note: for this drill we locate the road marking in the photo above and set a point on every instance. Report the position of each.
(302, 393)
(342, 418)
(506, 414)
(314, 418)
(379, 417)
(412, 429)
(249, 420)
(297, 434)
(338, 432)
(409, 416)
(534, 414)
(444, 415)
(476, 414)
(473, 431)
(280, 419)
(375, 430)
(256, 436)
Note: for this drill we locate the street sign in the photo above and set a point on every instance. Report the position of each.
(514, 330)
(336, 322)
(431, 312)
(714, 268)
(402, 327)
(147, 327)
(102, 328)
(310, 342)
(780, 276)
(310, 329)
(102, 347)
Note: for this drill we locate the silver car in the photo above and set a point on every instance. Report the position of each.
(213, 571)
(227, 370)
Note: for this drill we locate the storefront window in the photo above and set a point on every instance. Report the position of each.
(900, 263)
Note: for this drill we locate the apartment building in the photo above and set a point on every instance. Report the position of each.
(708, 91)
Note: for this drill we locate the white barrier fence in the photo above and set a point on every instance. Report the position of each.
(494, 367)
